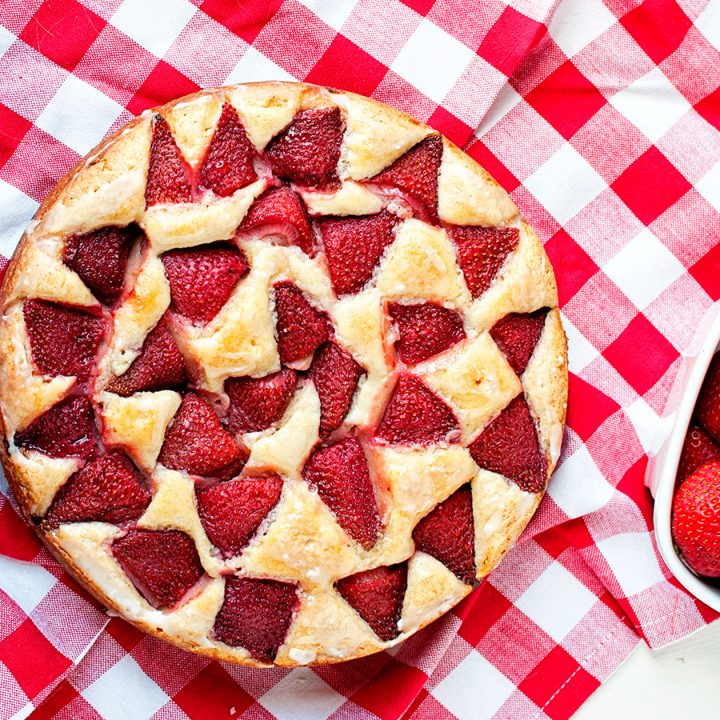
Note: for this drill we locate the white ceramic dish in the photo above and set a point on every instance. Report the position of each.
(662, 468)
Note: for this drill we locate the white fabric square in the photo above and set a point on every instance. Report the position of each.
(254, 66)
(26, 583)
(125, 692)
(331, 12)
(565, 184)
(646, 422)
(578, 486)
(708, 23)
(581, 352)
(651, 103)
(78, 115)
(432, 60)
(576, 23)
(506, 100)
(557, 601)
(155, 25)
(17, 211)
(643, 269)
(474, 689)
(6, 40)
(301, 694)
(709, 186)
(632, 559)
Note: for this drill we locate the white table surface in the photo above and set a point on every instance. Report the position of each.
(681, 680)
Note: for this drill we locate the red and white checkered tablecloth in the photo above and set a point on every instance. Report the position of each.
(602, 119)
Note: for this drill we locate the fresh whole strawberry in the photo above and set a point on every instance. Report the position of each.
(517, 334)
(62, 341)
(341, 477)
(256, 615)
(232, 511)
(707, 410)
(509, 446)
(257, 403)
(336, 375)
(197, 443)
(353, 247)
(447, 534)
(416, 174)
(162, 564)
(415, 415)
(169, 179)
(108, 489)
(699, 448)
(377, 596)
(228, 164)
(160, 365)
(425, 330)
(301, 327)
(100, 258)
(202, 279)
(696, 520)
(67, 429)
(280, 211)
(308, 151)
(482, 252)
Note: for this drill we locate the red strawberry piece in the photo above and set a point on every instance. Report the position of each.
(228, 164)
(162, 564)
(707, 410)
(67, 429)
(159, 365)
(169, 176)
(425, 330)
(108, 489)
(281, 211)
(256, 615)
(696, 520)
(341, 477)
(416, 415)
(301, 327)
(482, 252)
(353, 247)
(257, 403)
(232, 511)
(509, 446)
(698, 449)
(517, 334)
(62, 341)
(416, 174)
(308, 151)
(100, 258)
(202, 279)
(335, 374)
(198, 443)
(447, 534)
(377, 596)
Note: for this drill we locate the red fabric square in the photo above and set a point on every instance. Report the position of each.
(244, 19)
(650, 185)
(450, 126)
(641, 354)
(127, 635)
(658, 26)
(17, 540)
(212, 693)
(33, 660)
(63, 30)
(162, 85)
(573, 266)
(632, 484)
(705, 271)
(588, 407)
(480, 611)
(422, 7)
(391, 691)
(14, 127)
(566, 99)
(709, 108)
(64, 699)
(509, 39)
(482, 154)
(346, 66)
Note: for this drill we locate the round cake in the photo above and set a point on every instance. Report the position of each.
(283, 375)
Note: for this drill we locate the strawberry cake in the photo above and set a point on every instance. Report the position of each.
(283, 374)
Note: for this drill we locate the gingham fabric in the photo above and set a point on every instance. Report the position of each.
(601, 119)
